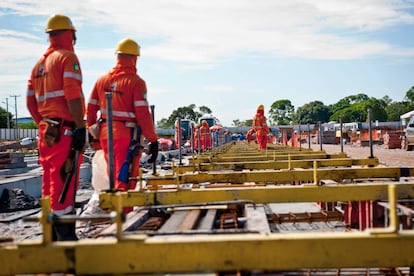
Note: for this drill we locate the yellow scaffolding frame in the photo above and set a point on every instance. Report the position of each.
(133, 254)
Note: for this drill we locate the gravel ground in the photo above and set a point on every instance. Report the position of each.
(20, 230)
(387, 157)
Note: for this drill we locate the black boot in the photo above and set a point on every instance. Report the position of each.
(64, 232)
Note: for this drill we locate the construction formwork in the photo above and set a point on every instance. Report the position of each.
(210, 218)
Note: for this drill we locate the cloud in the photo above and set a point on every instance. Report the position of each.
(205, 32)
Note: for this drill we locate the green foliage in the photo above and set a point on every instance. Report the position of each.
(312, 113)
(31, 125)
(3, 118)
(281, 112)
(184, 112)
(357, 110)
(396, 109)
(409, 95)
(238, 123)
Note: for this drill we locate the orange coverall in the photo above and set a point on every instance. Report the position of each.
(205, 136)
(176, 134)
(261, 128)
(55, 78)
(195, 137)
(129, 104)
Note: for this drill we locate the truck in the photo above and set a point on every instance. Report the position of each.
(407, 139)
(210, 119)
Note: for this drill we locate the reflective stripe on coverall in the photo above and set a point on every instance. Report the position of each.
(55, 78)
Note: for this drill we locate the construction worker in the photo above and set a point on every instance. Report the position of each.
(178, 135)
(55, 101)
(196, 138)
(130, 112)
(260, 127)
(205, 136)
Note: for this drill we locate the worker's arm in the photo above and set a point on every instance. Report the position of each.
(76, 109)
(31, 102)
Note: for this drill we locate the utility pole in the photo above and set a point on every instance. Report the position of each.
(15, 111)
(7, 112)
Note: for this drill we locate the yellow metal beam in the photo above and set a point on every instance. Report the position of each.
(276, 165)
(274, 157)
(201, 253)
(283, 176)
(270, 194)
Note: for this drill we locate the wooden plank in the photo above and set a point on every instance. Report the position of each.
(133, 220)
(189, 220)
(256, 218)
(207, 222)
(174, 222)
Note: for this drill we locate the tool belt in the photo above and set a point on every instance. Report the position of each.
(54, 130)
(127, 123)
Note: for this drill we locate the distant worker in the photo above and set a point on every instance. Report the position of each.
(205, 136)
(260, 127)
(196, 137)
(56, 103)
(178, 135)
(131, 115)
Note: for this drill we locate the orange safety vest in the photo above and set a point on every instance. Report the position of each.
(55, 78)
(260, 125)
(129, 99)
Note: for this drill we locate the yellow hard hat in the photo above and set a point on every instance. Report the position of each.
(59, 22)
(260, 107)
(128, 46)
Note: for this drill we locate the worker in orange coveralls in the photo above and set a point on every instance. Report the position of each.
(260, 127)
(130, 112)
(205, 136)
(55, 101)
(176, 134)
(195, 137)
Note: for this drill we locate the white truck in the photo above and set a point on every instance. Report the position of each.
(407, 139)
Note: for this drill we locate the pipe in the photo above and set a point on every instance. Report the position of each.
(108, 96)
(340, 135)
(370, 133)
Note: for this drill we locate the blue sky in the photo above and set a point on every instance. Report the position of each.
(229, 55)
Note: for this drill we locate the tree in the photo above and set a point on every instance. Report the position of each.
(31, 125)
(312, 113)
(409, 95)
(163, 123)
(3, 118)
(205, 110)
(184, 112)
(358, 110)
(281, 112)
(396, 109)
(238, 123)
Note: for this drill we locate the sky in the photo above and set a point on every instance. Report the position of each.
(228, 55)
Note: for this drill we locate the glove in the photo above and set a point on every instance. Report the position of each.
(78, 138)
(153, 151)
